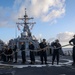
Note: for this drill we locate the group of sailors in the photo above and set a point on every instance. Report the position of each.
(7, 54)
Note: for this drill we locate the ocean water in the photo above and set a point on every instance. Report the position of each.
(67, 51)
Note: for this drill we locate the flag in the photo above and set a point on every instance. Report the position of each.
(18, 27)
(32, 26)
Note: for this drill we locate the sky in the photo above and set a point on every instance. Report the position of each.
(55, 19)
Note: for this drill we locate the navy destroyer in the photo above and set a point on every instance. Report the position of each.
(64, 67)
(26, 35)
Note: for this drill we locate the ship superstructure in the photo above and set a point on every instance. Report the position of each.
(26, 33)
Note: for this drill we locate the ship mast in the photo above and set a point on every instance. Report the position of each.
(26, 25)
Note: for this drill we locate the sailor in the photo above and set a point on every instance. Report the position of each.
(23, 52)
(56, 47)
(43, 51)
(72, 42)
(15, 52)
(32, 54)
(9, 54)
(4, 57)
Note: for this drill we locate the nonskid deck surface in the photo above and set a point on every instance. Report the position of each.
(64, 61)
(64, 68)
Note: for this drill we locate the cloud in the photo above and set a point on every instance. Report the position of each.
(39, 36)
(65, 37)
(45, 10)
(50, 40)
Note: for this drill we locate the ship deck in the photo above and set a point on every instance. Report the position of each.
(64, 68)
